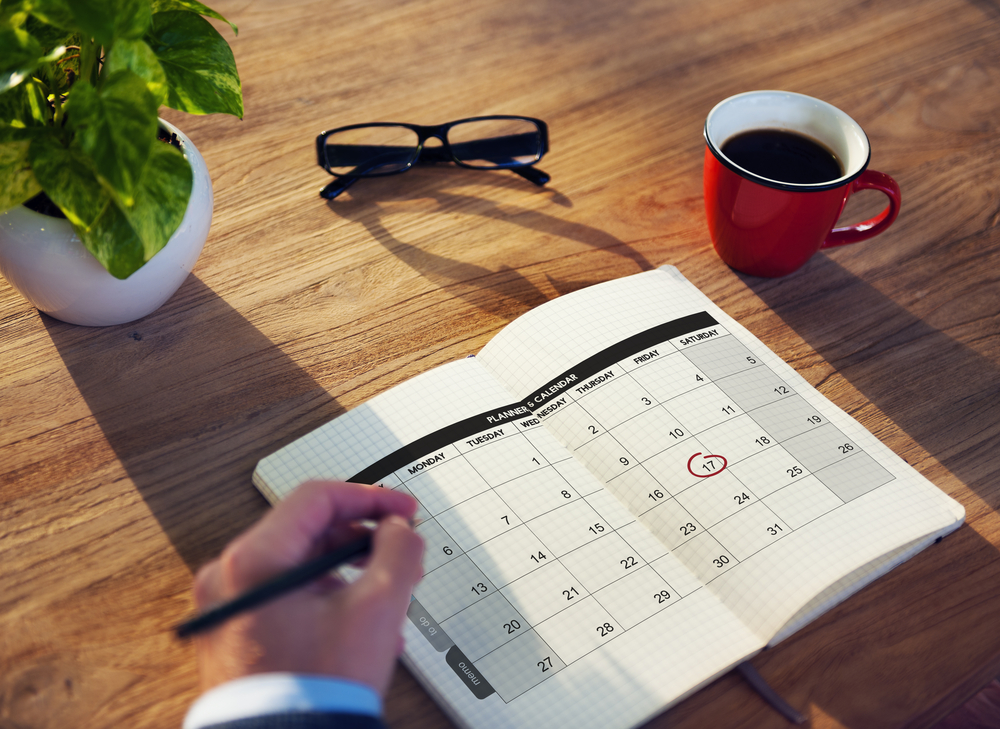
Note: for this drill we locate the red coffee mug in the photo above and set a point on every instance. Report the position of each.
(770, 228)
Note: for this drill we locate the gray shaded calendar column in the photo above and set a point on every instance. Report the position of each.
(485, 625)
(788, 417)
(519, 665)
(452, 588)
(721, 357)
(837, 462)
(854, 476)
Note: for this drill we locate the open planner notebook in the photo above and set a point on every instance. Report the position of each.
(623, 496)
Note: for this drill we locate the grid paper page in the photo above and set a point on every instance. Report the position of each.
(760, 486)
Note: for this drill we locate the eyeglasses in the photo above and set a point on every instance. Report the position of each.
(482, 143)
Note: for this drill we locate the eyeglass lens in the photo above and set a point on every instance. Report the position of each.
(482, 143)
(490, 143)
(375, 150)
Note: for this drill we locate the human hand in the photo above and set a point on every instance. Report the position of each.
(328, 627)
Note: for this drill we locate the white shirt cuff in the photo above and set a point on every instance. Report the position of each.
(276, 693)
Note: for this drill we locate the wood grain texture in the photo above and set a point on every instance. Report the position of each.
(126, 452)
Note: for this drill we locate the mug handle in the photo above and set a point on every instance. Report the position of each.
(869, 180)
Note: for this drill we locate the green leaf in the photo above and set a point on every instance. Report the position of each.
(114, 243)
(100, 223)
(24, 106)
(161, 6)
(121, 238)
(138, 57)
(18, 181)
(38, 110)
(103, 20)
(56, 43)
(161, 199)
(199, 64)
(11, 133)
(50, 35)
(125, 239)
(53, 12)
(115, 127)
(68, 180)
(13, 12)
(22, 54)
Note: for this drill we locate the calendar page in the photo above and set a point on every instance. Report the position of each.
(758, 484)
(622, 496)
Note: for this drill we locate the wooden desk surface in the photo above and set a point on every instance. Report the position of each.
(126, 452)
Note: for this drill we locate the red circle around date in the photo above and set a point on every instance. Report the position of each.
(714, 464)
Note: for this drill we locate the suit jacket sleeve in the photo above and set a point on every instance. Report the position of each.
(304, 720)
(286, 701)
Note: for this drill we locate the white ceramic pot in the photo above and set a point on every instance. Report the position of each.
(43, 258)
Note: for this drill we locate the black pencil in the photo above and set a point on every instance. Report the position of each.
(280, 585)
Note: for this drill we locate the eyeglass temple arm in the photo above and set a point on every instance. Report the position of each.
(339, 184)
(532, 174)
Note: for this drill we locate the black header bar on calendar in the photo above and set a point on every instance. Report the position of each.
(537, 401)
(616, 353)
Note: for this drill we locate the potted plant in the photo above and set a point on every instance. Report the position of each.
(81, 83)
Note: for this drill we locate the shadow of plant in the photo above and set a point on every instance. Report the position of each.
(190, 398)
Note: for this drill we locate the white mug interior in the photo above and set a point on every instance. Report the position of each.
(787, 111)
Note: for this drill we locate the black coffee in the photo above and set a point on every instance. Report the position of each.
(783, 156)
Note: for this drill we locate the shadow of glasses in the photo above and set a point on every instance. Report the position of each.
(505, 292)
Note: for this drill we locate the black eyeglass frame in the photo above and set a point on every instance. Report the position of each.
(444, 153)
